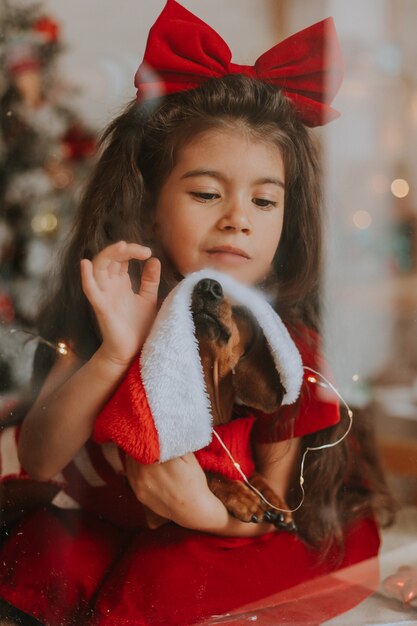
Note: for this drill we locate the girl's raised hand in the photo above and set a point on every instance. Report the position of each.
(124, 317)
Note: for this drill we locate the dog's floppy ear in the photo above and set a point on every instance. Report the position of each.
(256, 380)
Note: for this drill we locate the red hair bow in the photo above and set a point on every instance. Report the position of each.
(182, 52)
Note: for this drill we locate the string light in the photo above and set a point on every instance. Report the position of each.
(313, 380)
(61, 347)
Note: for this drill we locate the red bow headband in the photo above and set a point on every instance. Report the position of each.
(182, 52)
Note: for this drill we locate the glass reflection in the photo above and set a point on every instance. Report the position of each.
(95, 524)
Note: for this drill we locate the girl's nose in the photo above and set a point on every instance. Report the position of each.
(235, 217)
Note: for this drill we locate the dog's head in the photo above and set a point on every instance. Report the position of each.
(236, 359)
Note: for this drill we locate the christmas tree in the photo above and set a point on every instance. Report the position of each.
(45, 153)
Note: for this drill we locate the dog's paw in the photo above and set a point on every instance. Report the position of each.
(276, 509)
(239, 500)
(244, 504)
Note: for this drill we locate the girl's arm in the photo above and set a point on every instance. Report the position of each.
(61, 420)
(178, 491)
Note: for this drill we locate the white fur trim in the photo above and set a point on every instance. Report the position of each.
(172, 373)
(173, 377)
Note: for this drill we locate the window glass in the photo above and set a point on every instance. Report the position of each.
(340, 546)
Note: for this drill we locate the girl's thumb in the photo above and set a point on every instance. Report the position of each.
(151, 276)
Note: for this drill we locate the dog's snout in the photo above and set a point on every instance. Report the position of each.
(209, 289)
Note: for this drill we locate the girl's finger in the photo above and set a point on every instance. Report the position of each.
(121, 252)
(151, 276)
(114, 268)
(88, 282)
(123, 267)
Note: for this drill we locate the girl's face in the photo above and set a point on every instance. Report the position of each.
(222, 206)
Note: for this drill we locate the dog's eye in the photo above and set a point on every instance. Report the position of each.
(264, 203)
(204, 196)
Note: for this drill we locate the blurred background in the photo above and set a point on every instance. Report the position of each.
(68, 68)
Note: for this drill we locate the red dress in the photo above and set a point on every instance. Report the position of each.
(77, 567)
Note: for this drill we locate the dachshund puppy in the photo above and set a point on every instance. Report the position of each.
(237, 366)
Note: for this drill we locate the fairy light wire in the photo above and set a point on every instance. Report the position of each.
(306, 451)
(63, 349)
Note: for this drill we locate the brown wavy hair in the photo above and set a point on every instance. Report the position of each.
(138, 151)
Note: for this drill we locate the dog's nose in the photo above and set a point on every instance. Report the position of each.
(209, 289)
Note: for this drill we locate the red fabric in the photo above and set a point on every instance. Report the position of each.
(317, 408)
(167, 577)
(183, 52)
(236, 435)
(127, 420)
(53, 562)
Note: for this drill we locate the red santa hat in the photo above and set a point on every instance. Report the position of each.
(162, 409)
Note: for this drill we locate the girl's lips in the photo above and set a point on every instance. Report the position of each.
(228, 250)
(225, 257)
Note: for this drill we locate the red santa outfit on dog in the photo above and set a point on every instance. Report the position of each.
(162, 408)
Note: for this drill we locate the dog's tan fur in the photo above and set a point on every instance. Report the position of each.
(231, 343)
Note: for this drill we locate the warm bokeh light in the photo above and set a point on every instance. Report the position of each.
(62, 348)
(63, 178)
(400, 188)
(45, 223)
(362, 219)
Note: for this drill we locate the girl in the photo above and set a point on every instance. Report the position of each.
(221, 174)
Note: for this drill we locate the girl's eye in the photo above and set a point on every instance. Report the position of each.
(204, 196)
(264, 203)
